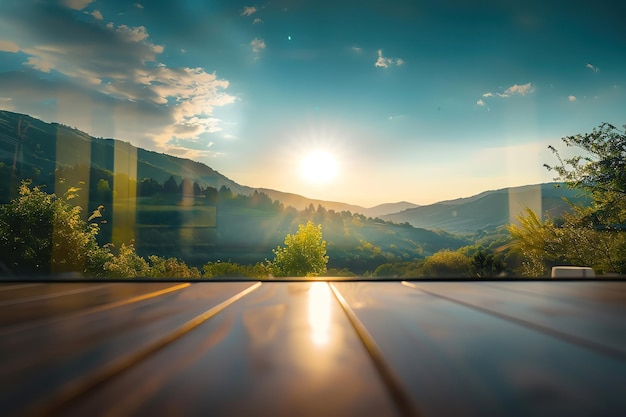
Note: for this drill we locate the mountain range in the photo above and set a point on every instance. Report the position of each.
(489, 209)
(34, 148)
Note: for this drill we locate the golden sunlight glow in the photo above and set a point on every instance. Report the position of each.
(318, 167)
(319, 312)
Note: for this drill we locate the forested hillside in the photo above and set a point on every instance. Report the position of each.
(173, 207)
(491, 209)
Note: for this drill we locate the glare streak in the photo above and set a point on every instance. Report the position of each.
(319, 312)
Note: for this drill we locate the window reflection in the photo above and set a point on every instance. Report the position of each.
(319, 312)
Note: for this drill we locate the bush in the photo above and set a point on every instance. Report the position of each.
(42, 234)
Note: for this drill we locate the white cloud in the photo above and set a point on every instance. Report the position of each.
(139, 5)
(257, 45)
(356, 49)
(383, 62)
(248, 11)
(518, 89)
(571, 98)
(135, 34)
(8, 46)
(522, 90)
(257, 20)
(111, 70)
(592, 67)
(97, 15)
(76, 4)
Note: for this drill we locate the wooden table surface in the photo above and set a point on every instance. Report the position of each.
(544, 348)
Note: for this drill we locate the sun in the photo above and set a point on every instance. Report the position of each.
(319, 167)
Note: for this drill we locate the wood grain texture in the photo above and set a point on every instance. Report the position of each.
(303, 348)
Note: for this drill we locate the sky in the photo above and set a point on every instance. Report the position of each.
(363, 102)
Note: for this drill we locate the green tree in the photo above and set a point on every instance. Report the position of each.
(304, 253)
(546, 243)
(600, 171)
(231, 269)
(447, 263)
(487, 265)
(42, 234)
(596, 233)
(127, 264)
(170, 186)
(171, 268)
(593, 235)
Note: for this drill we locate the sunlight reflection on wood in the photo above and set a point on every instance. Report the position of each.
(319, 312)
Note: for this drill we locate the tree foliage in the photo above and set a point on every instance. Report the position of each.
(599, 170)
(171, 268)
(546, 243)
(593, 235)
(41, 233)
(127, 264)
(446, 263)
(487, 265)
(220, 269)
(304, 253)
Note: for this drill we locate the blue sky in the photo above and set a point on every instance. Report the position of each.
(414, 100)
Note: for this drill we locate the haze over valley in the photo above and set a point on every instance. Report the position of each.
(171, 206)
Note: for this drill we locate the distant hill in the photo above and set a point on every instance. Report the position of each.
(299, 202)
(488, 209)
(34, 149)
(195, 222)
(37, 143)
(389, 208)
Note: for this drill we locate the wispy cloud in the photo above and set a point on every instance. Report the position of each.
(357, 49)
(515, 89)
(257, 20)
(97, 15)
(139, 5)
(592, 67)
(257, 45)
(248, 11)
(384, 62)
(571, 98)
(519, 89)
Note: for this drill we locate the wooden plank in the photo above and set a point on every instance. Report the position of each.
(56, 362)
(603, 295)
(28, 304)
(456, 360)
(592, 326)
(15, 287)
(285, 350)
